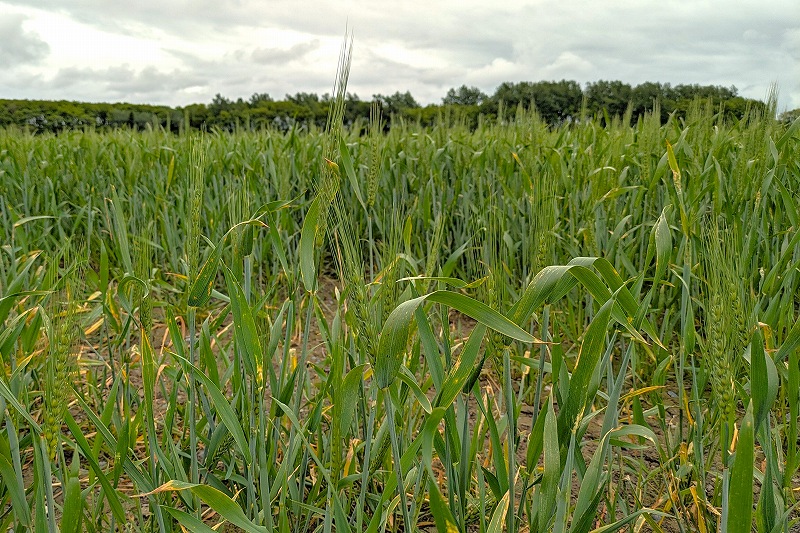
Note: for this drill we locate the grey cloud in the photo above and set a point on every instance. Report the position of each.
(746, 45)
(17, 84)
(150, 80)
(467, 29)
(67, 77)
(271, 56)
(237, 75)
(19, 47)
(568, 63)
(125, 80)
(131, 18)
(372, 73)
(749, 45)
(791, 40)
(123, 83)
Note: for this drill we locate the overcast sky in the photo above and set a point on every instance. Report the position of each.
(180, 52)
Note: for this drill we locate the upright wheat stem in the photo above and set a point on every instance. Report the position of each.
(723, 332)
(542, 357)
(196, 179)
(398, 467)
(512, 435)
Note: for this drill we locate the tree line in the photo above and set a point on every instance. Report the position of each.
(557, 102)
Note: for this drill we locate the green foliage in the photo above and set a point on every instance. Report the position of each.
(465, 96)
(557, 102)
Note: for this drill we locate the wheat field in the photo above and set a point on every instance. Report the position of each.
(515, 327)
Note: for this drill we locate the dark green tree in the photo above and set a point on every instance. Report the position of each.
(556, 101)
(259, 98)
(464, 96)
(645, 95)
(787, 117)
(612, 97)
(397, 102)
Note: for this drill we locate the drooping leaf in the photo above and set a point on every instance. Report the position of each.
(190, 522)
(394, 335)
(217, 500)
(200, 289)
(408, 378)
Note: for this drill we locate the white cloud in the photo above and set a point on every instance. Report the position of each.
(494, 73)
(567, 64)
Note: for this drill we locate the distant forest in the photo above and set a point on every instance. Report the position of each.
(557, 102)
